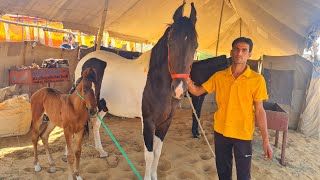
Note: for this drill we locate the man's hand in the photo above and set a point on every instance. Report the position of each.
(188, 80)
(267, 150)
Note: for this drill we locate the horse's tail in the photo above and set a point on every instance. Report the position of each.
(86, 130)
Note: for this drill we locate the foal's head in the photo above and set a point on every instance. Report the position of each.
(89, 79)
(182, 45)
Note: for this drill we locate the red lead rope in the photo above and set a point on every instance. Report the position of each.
(175, 76)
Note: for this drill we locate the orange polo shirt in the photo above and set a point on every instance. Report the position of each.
(235, 97)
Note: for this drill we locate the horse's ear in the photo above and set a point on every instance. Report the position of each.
(178, 14)
(193, 14)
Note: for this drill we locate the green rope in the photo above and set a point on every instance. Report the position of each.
(119, 147)
(116, 142)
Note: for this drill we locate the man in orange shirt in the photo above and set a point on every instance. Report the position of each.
(239, 95)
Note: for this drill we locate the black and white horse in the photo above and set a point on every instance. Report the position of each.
(149, 87)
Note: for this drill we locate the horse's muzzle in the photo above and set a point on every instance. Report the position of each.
(92, 113)
(178, 88)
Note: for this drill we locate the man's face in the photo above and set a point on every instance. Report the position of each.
(240, 53)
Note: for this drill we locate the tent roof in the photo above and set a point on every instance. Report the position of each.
(276, 27)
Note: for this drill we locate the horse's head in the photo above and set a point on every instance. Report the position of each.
(89, 79)
(182, 45)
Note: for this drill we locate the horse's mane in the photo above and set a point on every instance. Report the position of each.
(159, 52)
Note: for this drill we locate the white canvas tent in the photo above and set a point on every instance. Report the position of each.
(277, 27)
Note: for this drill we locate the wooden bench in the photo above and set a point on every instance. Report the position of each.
(277, 119)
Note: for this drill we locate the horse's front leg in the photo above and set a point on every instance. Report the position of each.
(148, 134)
(157, 147)
(160, 133)
(96, 134)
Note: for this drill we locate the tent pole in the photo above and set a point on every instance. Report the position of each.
(240, 27)
(103, 21)
(219, 28)
(260, 64)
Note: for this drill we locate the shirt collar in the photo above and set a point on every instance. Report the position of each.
(246, 73)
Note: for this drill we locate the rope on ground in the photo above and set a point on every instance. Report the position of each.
(195, 114)
(119, 147)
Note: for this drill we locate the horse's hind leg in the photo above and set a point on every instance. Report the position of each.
(36, 122)
(45, 137)
(96, 134)
(78, 139)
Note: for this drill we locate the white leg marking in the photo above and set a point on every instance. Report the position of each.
(179, 90)
(148, 157)
(157, 147)
(97, 140)
(78, 177)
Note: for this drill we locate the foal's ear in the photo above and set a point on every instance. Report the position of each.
(92, 75)
(178, 14)
(193, 14)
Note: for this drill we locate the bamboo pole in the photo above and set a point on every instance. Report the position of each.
(103, 21)
(219, 28)
(240, 27)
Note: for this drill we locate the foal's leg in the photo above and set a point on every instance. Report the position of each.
(97, 140)
(45, 137)
(78, 139)
(35, 125)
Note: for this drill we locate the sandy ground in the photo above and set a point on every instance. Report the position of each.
(182, 156)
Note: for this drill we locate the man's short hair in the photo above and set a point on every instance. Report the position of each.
(245, 40)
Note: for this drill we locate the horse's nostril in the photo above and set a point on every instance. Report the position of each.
(91, 112)
(172, 87)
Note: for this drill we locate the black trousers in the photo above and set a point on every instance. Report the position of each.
(242, 150)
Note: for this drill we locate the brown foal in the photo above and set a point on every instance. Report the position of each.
(68, 111)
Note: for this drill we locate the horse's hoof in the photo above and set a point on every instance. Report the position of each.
(64, 158)
(37, 168)
(104, 155)
(52, 170)
(79, 178)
